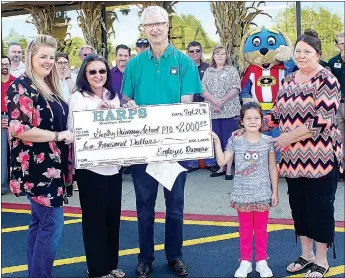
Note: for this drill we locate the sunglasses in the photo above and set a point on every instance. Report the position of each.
(195, 51)
(101, 71)
(142, 41)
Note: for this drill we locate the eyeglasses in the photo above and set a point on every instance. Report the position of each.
(62, 63)
(156, 24)
(101, 71)
(86, 54)
(195, 51)
(142, 41)
(5, 65)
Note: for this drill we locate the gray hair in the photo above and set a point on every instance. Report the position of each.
(86, 46)
(340, 35)
(154, 10)
(13, 43)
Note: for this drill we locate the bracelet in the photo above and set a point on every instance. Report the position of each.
(56, 136)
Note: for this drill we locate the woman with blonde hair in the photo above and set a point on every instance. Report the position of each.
(40, 154)
(221, 87)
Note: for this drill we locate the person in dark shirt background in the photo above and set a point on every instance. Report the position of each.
(194, 50)
(337, 67)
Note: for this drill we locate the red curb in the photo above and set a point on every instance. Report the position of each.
(161, 215)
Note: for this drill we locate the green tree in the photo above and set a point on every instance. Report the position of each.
(187, 28)
(4, 48)
(72, 49)
(325, 23)
(23, 43)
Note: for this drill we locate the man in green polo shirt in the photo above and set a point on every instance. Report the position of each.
(159, 75)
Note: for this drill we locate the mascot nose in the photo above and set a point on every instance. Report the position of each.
(264, 51)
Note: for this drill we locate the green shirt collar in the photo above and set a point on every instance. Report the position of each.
(166, 52)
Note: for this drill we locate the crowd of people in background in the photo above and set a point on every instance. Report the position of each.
(37, 100)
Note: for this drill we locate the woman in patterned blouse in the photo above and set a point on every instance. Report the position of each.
(311, 156)
(221, 87)
(40, 154)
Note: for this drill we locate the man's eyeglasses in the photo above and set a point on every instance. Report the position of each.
(5, 65)
(156, 24)
(101, 71)
(86, 54)
(195, 51)
(62, 63)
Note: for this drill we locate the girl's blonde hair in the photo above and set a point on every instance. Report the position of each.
(52, 79)
(216, 50)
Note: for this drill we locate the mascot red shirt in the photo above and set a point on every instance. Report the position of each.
(266, 57)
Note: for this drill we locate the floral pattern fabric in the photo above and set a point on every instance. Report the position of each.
(219, 83)
(41, 170)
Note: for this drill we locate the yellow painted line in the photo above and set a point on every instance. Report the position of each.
(126, 252)
(27, 211)
(161, 220)
(16, 210)
(133, 251)
(158, 247)
(187, 222)
(24, 228)
(332, 272)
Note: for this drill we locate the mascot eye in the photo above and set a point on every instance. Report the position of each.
(247, 156)
(271, 40)
(255, 156)
(256, 41)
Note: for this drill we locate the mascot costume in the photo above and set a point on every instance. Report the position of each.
(265, 59)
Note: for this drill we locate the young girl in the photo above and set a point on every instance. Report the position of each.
(255, 186)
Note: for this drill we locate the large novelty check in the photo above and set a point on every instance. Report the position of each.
(147, 134)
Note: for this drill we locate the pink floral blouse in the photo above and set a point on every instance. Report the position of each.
(41, 170)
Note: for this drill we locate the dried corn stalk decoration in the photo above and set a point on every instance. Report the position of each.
(232, 20)
(90, 20)
(43, 18)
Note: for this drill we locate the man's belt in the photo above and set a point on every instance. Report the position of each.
(266, 105)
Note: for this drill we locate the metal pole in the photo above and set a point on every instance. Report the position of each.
(298, 18)
(104, 47)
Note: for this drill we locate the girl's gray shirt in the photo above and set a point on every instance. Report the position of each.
(252, 183)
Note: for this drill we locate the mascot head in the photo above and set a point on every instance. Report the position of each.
(258, 47)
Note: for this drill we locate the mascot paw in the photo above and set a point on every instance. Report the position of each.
(283, 53)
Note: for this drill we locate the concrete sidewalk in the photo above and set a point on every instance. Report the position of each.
(203, 195)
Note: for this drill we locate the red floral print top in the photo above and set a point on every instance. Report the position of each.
(41, 170)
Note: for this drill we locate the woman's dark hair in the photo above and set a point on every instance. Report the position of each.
(311, 37)
(248, 106)
(82, 83)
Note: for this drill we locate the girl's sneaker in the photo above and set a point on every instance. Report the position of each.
(263, 269)
(244, 269)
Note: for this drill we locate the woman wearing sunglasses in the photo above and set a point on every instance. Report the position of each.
(100, 189)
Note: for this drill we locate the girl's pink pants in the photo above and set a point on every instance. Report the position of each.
(250, 222)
